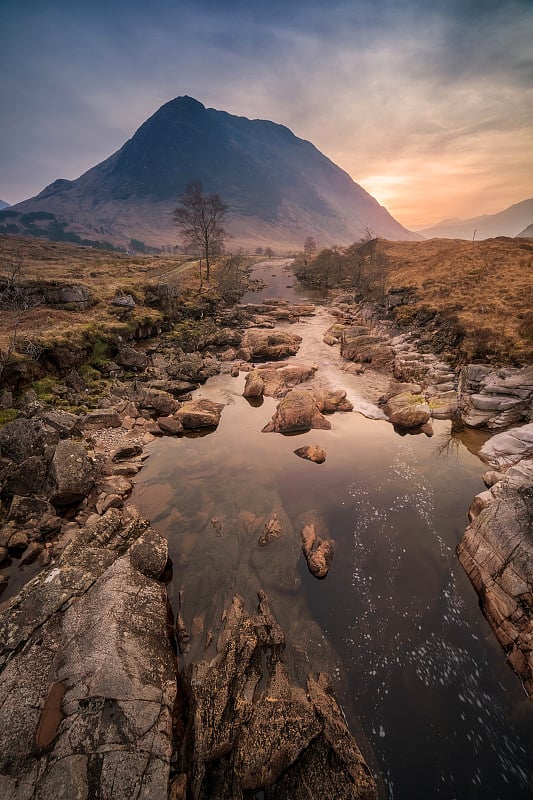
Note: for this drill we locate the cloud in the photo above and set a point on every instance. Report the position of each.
(409, 91)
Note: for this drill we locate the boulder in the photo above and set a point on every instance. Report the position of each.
(312, 452)
(131, 359)
(318, 551)
(170, 426)
(297, 411)
(72, 474)
(61, 421)
(329, 400)
(200, 413)
(23, 438)
(26, 509)
(270, 345)
(156, 402)
(407, 410)
(101, 418)
(254, 384)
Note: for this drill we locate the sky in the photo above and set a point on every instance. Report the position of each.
(428, 104)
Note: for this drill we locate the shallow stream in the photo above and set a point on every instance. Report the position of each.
(439, 712)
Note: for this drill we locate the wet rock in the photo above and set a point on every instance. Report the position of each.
(274, 380)
(71, 472)
(253, 728)
(496, 552)
(312, 452)
(329, 400)
(18, 542)
(318, 551)
(270, 345)
(32, 553)
(297, 411)
(254, 384)
(201, 413)
(271, 531)
(87, 686)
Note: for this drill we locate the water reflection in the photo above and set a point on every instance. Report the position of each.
(422, 669)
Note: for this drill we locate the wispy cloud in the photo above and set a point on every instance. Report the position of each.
(430, 107)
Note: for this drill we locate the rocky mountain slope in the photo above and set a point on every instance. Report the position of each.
(509, 222)
(280, 188)
(527, 233)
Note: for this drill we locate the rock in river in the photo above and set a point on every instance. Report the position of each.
(201, 413)
(297, 411)
(312, 452)
(270, 345)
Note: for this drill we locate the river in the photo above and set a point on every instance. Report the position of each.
(436, 709)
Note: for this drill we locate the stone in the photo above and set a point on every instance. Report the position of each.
(156, 402)
(125, 301)
(101, 418)
(407, 411)
(31, 554)
(27, 478)
(170, 426)
(131, 359)
(329, 400)
(496, 552)
(107, 501)
(312, 452)
(24, 438)
(509, 447)
(271, 531)
(24, 509)
(200, 413)
(71, 472)
(116, 484)
(88, 685)
(318, 552)
(297, 411)
(126, 451)
(254, 384)
(269, 345)
(18, 541)
(255, 731)
(61, 421)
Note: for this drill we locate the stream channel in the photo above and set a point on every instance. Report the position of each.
(434, 706)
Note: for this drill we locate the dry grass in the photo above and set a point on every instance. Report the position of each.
(104, 273)
(487, 286)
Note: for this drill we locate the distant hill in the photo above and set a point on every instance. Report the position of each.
(505, 223)
(3, 204)
(527, 233)
(280, 188)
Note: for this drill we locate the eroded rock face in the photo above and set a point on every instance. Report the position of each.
(253, 728)
(87, 682)
(509, 447)
(496, 552)
(270, 345)
(495, 398)
(297, 411)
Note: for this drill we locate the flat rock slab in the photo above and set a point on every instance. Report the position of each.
(509, 447)
(274, 344)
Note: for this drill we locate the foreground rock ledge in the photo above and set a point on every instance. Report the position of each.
(251, 729)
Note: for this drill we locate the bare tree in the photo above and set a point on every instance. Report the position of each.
(200, 218)
(310, 248)
(16, 299)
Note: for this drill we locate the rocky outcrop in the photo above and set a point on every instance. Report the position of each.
(72, 473)
(275, 380)
(495, 398)
(496, 552)
(297, 411)
(252, 730)
(87, 681)
(509, 447)
(260, 345)
(361, 345)
(331, 400)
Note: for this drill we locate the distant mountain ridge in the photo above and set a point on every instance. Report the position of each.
(280, 189)
(509, 222)
(3, 204)
(527, 233)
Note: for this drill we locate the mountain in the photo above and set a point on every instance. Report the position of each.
(505, 223)
(3, 204)
(527, 233)
(280, 189)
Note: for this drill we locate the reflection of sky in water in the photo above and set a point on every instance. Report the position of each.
(445, 715)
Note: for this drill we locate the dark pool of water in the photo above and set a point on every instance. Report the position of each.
(421, 670)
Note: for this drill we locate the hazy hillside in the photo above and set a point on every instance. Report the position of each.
(3, 204)
(280, 188)
(505, 223)
(527, 233)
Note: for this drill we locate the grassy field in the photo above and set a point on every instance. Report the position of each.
(105, 273)
(485, 287)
